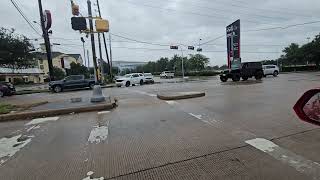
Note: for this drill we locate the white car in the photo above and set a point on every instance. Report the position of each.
(270, 70)
(148, 78)
(167, 74)
(130, 79)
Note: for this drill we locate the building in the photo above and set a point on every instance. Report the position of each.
(33, 75)
(59, 60)
(122, 65)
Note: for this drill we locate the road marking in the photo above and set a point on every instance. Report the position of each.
(41, 120)
(196, 116)
(10, 146)
(103, 112)
(144, 93)
(89, 174)
(287, 157)
(98, 134)
(172, 103)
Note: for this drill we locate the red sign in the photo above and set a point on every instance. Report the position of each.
(47, 19)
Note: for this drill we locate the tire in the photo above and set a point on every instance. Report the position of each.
(91, 85)
(152, 82)
(166, 77)
(259, 75)
(236, 77)
(1, 94)
(141, 82)
(57, 89)
(275, 73)
(245, 78)
(127, 83)
(223, 78)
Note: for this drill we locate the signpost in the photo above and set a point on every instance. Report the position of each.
(233, 45)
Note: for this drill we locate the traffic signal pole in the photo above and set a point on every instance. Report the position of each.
(182, 64)
(92, 43)
(104, 41)
(46, 42)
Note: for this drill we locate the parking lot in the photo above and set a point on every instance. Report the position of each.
(223, 135)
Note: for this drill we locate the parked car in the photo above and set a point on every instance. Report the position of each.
(148, 78)
(270, 70)
(167, 74)
(6, 89)
(71, 82)
(247, 70)
(130, 79)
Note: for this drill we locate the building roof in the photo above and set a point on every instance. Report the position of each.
(44, 55)
(20, 71)
(76, 56)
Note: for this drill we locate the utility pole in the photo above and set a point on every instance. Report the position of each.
(110, 52)
(100, 51)
(46, 41)
(104, 41)
(92, 43)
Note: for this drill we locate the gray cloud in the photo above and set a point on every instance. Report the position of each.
(177, 21)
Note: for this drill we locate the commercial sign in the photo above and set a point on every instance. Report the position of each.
(47, 19)
(233, 45)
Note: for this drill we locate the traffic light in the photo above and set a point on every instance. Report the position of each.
(78, 23)
(174, 47)
(191, 47)
(102, 25)
(75, 10)
(199, 49)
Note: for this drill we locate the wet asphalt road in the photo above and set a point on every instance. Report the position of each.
(147, 138)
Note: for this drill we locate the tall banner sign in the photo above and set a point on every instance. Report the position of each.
(233, 45)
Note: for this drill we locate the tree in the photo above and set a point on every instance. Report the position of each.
(198, 62)
(293, 54)
(15, 50)
(78, 69)
(58, 73)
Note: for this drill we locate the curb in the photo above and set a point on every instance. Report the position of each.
(44, 113)
(178, 97)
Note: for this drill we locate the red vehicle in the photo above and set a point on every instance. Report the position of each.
(307, 107)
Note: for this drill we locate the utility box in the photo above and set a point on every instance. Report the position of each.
(102, 25)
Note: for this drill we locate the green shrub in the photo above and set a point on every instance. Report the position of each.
(298, 68)
(6, 108)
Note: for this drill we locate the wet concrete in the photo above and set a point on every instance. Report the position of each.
(147, 138)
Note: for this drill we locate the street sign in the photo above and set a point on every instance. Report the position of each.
(233, 45)
(191, 47)
(199, 50)
(174, 47)
(47, 19)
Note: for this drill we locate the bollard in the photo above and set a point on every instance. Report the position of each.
(97, 95)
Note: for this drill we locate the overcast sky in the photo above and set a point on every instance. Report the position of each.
(168, 22)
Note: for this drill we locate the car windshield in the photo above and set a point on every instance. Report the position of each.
(158, 89)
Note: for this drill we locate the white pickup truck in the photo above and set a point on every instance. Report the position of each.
(167, 74)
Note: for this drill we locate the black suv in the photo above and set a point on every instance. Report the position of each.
(248, 70)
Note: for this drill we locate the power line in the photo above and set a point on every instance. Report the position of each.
(264, 29)
(25, 17)
(194, 4)
(187, 12)
(143, 42)
(261, 9)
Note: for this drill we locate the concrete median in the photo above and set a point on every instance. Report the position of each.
(53, 112)
(179, 95)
